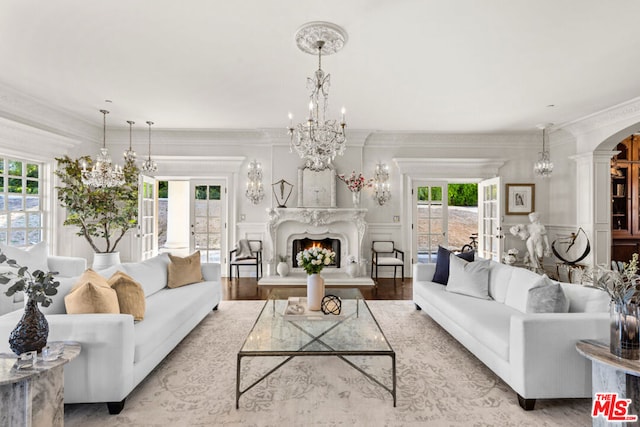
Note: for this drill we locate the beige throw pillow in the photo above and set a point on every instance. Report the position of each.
(184, 271)
(91, 294)
(130, 295)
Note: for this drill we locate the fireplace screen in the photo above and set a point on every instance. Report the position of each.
(300, 245)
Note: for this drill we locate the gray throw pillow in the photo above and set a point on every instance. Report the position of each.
(548, 298)
(468, 278)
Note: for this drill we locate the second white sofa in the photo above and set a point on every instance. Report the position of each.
(534, 353)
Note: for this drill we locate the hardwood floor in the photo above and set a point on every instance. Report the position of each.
(247, 289)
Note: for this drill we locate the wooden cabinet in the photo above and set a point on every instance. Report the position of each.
(625, 200)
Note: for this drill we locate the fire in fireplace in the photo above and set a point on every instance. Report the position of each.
(307, 243)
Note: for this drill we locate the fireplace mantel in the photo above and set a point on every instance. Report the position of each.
(318, 218)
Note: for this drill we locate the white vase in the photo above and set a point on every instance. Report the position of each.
(105, 260)
(353, 269)
(355, 196)
(315, 291)
(282, 269)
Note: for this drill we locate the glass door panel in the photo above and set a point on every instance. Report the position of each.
(148, 217)
(429, 219)
(208, 224)
(490, 219)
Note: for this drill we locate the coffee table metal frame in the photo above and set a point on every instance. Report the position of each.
(280, 294)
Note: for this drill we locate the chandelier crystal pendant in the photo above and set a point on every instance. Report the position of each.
(544, 166)
(319, 140)
(149, 165)
(381, 187)
(103, 174)
(130, 155)
(255, 191)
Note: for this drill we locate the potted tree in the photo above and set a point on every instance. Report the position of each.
(103, 215)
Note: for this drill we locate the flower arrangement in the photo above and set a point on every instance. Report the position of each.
(355, 183)
(38, 286)
(513, 251)
(314, 259)
(622, 286)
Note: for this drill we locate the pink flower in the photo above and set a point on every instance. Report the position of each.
(355, 182)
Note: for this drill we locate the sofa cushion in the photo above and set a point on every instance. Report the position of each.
(130, 295)
(585, 300)
(158, 325)
(548, 298)
(499, 277)
(184, 271)
(485, 320)
(441, 274)
(519, 284)
(150, 273)
(34, 257)
(91, 294)
(468, 278)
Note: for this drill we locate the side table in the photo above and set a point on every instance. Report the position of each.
(34, 396)
(612, 374)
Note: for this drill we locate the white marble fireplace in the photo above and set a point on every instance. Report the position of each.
(287, 224)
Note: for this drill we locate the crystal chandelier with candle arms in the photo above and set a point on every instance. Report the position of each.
(104, 173)
(544, 166)
(149, 165)
(318, 140)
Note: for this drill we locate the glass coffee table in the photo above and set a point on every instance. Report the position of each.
(355, 332)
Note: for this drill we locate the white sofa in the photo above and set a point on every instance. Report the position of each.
(64, 266)
(118, 353)
(534, 353)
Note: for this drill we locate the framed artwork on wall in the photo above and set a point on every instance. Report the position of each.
(521, 199)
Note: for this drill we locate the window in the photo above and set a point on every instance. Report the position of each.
(21, 215)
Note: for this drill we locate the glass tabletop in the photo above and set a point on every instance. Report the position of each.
(355, 330)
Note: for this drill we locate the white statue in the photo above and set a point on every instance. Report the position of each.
(536, 240)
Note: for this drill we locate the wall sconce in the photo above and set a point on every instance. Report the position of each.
(255, 192)
(381, 186)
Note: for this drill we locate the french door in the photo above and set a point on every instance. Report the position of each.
(429, 200)
(208, 220)
(148, 217)
(490, 201)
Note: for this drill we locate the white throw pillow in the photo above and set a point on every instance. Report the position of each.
(548, 298)
(499, 277)
(468, 278)
(34, 257)
(518, 292)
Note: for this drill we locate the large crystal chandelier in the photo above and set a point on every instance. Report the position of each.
(149, 165)
(318, 140)
(544, 166)
(104, 173)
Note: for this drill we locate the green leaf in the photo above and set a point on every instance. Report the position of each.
(21, 271)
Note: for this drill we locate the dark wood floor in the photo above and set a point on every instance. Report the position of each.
(247, 289)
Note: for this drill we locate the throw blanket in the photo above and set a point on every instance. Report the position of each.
(243, 250)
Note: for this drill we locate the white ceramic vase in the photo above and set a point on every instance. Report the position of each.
(315, 291)
(105, 260)
(353, 269)
(282, 269)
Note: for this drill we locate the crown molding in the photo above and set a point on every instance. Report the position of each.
(30, 111)
(460, 141)
(26, 141)
(628, 111)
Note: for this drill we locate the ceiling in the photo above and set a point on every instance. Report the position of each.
(432, 65)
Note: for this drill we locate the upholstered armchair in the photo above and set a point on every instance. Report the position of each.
(385, 254)
(248, 253)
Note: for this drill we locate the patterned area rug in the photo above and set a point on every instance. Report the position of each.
(439, 383)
